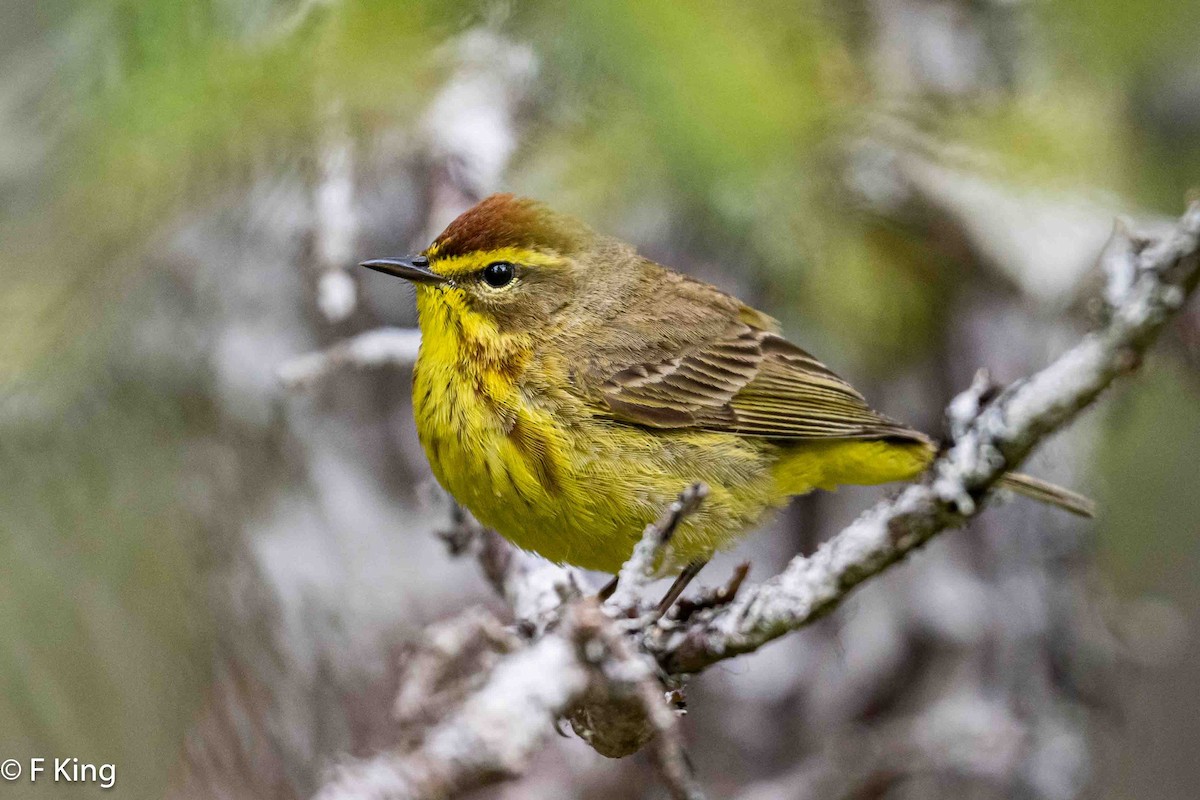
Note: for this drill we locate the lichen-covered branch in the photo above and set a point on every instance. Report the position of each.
(491, 736)
(373, 348)
(535, 589)
(639, 571)
(1148, 282)
(496, 730)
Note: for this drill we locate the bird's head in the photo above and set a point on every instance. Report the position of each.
(506, 265)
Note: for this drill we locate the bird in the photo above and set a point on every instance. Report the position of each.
(567, 389)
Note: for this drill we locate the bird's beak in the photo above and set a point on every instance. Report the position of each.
(413, 268)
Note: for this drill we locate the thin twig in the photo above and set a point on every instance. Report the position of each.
(722, 595)
(641, 568)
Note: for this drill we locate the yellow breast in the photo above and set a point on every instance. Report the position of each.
(482, 443)
(551, 474)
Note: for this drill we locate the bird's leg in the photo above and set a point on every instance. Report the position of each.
(607, 590)
(681, 583)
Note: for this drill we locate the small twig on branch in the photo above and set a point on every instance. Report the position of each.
(712, 598)
(640, 570)
(375, 348)
(449, 662)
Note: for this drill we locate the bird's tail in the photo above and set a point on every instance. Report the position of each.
(1046, 492)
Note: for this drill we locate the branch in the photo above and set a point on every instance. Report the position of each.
(535, 589)
(335, 222)
(491, 736)
(641, 568)
(1147, 284)
(374, 348)
(498, 728)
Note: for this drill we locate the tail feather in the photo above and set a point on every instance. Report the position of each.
(1046, 492)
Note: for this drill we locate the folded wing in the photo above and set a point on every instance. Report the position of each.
(750, 381)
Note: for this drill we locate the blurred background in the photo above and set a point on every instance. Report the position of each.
(209, 568)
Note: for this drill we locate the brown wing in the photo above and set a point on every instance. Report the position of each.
(749, 381)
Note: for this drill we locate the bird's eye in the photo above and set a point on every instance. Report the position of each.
(498, 274)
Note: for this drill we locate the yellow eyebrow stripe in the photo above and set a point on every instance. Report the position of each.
(453, 266)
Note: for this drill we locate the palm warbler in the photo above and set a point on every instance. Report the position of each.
(567, 389)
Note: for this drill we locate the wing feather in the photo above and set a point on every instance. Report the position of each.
(750, 381)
